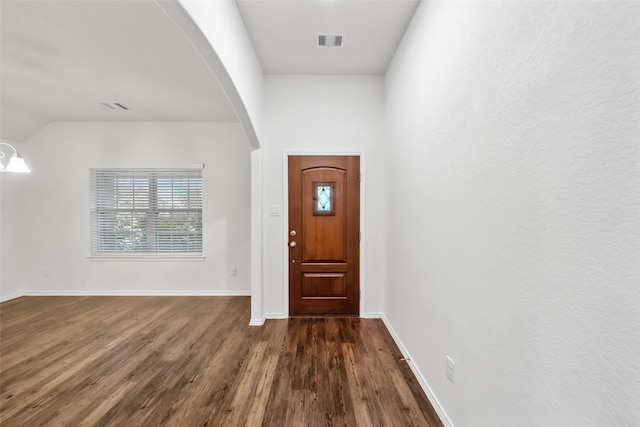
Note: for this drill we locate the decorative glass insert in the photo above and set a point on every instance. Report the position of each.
(324, 198)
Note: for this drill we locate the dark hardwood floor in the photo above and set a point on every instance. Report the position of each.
(194, 361)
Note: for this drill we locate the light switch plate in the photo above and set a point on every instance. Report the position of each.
(274, 211)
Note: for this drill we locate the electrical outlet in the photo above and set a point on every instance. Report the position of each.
(45, 271)
(451, 370)
(234, 272)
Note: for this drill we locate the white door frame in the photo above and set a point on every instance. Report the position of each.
(285, 221)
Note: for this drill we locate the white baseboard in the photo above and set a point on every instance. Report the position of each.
(416, 371)
(257, 322)
(372, 316)
(141, 293)
(11, 296)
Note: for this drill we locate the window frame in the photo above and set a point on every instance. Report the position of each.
(153, 210)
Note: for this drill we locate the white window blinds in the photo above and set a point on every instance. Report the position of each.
(146, 211)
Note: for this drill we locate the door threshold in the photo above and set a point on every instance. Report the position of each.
(322, 316)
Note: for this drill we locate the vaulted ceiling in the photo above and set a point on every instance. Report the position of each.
(63, 60)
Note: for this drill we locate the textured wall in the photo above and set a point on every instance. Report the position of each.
(513, 209)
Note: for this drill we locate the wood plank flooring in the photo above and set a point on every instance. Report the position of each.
(194, 361)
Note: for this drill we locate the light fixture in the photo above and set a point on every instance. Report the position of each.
(16, 163)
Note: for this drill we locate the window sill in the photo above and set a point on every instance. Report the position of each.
(148, 258)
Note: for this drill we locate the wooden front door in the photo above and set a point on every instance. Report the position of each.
(324, 235)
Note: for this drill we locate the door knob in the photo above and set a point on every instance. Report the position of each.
(293, 232)
(292, 244)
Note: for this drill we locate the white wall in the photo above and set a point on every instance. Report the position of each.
(2, 292)
(11, 203)
(322, 114)
(48, 210)
(513, 209)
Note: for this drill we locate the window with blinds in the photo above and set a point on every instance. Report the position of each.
(146, 211)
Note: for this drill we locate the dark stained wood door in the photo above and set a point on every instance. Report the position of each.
(324, 235)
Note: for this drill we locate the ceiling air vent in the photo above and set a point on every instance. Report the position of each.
(329, 40)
